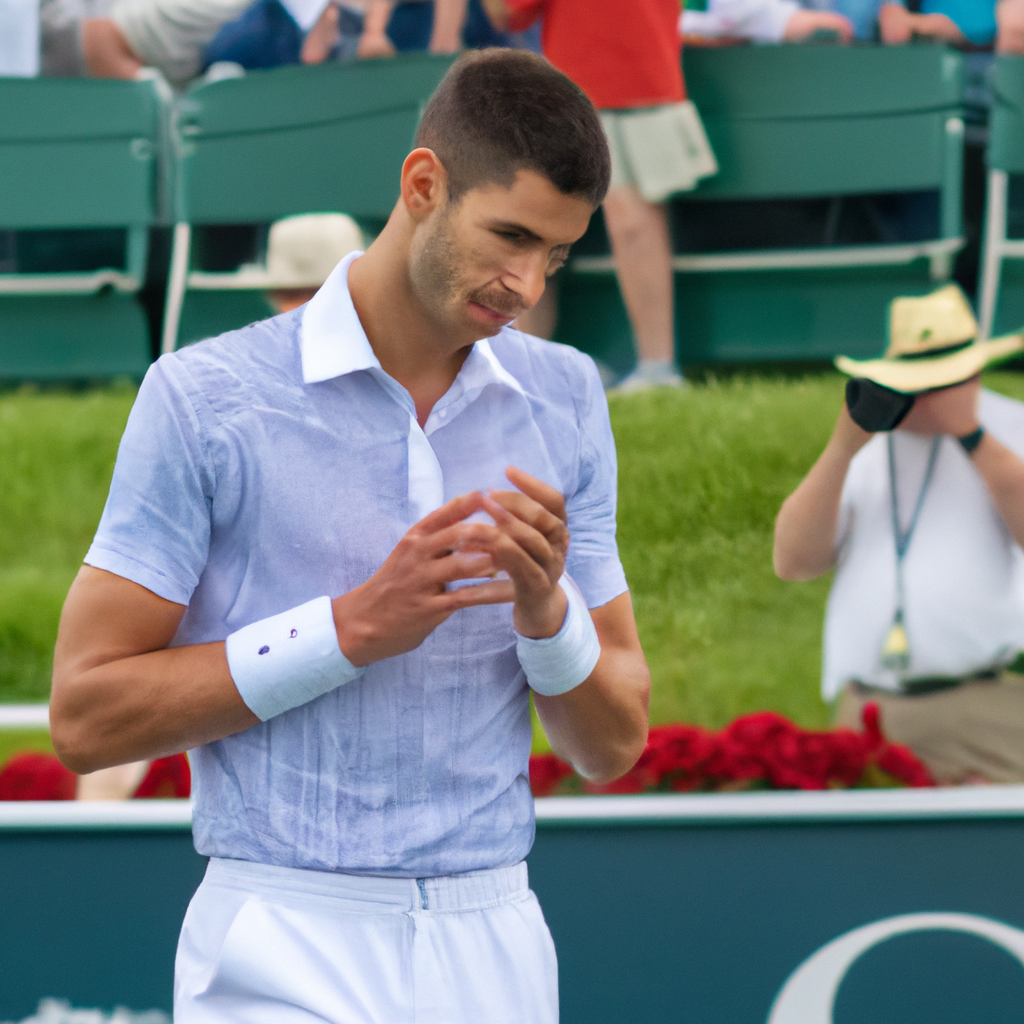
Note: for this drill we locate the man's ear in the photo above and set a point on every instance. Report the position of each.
(424, 183)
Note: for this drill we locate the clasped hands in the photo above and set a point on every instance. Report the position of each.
(408, 597)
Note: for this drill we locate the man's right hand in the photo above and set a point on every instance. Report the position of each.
(408, 597)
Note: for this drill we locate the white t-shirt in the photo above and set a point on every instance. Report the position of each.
(963, 572)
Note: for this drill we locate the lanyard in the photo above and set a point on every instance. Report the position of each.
(901, 537)
(896, 650)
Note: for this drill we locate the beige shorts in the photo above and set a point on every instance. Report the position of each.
(658, 150)
(975, 729)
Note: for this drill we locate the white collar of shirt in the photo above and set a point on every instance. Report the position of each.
(332, 343)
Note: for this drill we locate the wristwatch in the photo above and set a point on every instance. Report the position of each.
(971, 441)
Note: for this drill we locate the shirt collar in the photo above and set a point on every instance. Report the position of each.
(332, 343)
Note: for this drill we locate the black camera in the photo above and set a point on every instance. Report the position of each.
(875, 408)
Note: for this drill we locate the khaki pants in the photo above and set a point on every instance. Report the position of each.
(975, 729)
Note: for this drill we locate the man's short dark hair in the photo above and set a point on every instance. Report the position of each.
(498, 112)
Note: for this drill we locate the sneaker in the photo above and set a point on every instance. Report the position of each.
(648, 375)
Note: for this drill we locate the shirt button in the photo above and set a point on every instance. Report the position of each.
(443, 413)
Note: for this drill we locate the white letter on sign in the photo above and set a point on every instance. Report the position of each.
(810, 991)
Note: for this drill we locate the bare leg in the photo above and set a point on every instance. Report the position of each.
(107, 53)
(639, 236)
(449, 17)
(321, 38)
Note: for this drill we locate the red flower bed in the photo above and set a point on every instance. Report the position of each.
(758, 751)
(36, 776)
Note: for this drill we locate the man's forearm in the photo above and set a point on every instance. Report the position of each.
(1003, 474)
(805, 530)
(130, 710)
(600, 727)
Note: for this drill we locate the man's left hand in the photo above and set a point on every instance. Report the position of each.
(531, 543)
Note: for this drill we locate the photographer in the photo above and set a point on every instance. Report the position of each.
(918, 504)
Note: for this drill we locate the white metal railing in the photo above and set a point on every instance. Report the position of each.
(789, 805)
(67, 284)
(964, 802)
(792, 259)
(24, 716)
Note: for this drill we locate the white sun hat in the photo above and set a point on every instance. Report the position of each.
(933, 343)
(302, 251)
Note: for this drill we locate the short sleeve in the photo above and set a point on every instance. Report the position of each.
(523, 13)
(155, 529)
(593, 559)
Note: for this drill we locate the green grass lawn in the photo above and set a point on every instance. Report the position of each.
(702, 473)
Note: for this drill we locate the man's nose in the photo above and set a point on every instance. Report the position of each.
(532, 280)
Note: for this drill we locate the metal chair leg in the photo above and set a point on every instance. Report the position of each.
(992, 259)
(176, 283)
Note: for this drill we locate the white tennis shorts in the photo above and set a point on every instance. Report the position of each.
(271, 945)
(658, 150)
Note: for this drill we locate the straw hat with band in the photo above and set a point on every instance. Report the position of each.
(933, 343)
(302, 251)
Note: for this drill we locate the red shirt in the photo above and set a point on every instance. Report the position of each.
(621, 53)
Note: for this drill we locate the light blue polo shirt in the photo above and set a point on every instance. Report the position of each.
(279, 463)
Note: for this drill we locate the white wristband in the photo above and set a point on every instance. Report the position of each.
(289, 659)
(560, 663)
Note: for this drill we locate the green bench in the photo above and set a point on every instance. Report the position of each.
(80, 155)
(293, 140)
(1001, 308)
(799, 122)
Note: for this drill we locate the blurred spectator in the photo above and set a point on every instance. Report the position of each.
(434, 25)
(178, 36)
(301, 253)
(1010, 26)
(60, 25)
(19, 38)
(170, 35)
(967, 23)
(478, 32)
(625, 55)
(777, 21)
(267, 35)
(918, 504)
(37, 776)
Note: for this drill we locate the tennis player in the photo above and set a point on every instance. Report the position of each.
(341, 547)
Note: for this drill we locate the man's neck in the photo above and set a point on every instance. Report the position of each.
(410, 347)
